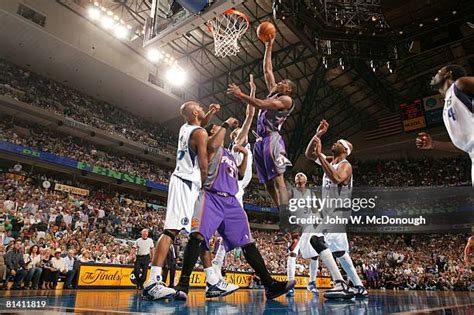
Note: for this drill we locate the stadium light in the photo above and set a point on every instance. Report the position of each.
(176, 76)
(121, 32)
(94, 13)
(107, 22)
(154, 55)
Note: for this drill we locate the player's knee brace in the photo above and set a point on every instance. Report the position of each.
(170, 234)
(318, 243)
(339, 254)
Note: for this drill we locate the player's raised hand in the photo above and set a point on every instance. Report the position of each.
(233, 123)
(240, 149)
(214, 108)
(424, 141)
(234, 90)
(322, 128)
(253, 87)
(318, 148)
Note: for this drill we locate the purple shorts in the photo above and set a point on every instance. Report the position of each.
(225, 215)
(270, 157)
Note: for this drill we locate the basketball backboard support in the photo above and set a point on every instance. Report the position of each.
(167, 23)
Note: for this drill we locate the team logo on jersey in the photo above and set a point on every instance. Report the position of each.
(185, 221)
(194, 222)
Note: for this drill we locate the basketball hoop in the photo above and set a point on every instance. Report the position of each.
(227, 29)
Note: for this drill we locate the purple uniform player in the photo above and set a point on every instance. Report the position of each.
(217, 209)
(269, 150)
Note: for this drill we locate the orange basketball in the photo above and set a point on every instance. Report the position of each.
(266, 31)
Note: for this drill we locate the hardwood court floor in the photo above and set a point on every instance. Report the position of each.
(242, 302)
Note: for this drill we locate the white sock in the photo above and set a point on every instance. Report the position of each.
(313, 269)
(220, 255)
(348, 266)
(211, 277)
(291, 267)
(154, 273)
(328, 260)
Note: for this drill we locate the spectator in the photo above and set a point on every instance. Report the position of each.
(57, 267)
(69, 261)
(16, 266)
(3, 267)
(33, 263)
(45, 280)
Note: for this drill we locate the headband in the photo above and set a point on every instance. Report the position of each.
(346, 146)
(302, 174)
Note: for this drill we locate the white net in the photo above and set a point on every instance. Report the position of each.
(227, 29)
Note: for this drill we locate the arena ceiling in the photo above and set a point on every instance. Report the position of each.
(315, 38)
(416, 38)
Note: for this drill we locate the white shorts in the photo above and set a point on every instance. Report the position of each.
(240, 196)
(472, 167)
(336, 242)
(182, 196)
(306, 249)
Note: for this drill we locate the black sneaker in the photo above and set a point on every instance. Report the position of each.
(278, 288)
(340, 291)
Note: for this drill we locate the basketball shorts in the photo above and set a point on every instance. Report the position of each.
(225, 215)
(306, 249)
(270, 157)
(182, 195)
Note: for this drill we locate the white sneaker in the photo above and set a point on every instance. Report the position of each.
(340, 291)
(221, 288)
(217, 271)
(157, 291)
(360, 292)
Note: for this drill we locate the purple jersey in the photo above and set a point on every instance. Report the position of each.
(270, 120)
(223, 173)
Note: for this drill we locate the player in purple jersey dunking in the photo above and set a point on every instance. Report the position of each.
(269, 150)
(217, 209)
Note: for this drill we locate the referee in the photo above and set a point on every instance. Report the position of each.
(144, 250)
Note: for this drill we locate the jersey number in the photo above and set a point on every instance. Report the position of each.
(451, 113)
(181, 154)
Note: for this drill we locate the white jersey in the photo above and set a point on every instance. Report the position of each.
(458, 118)
(331, 190)
(187, 166)
(244, 182)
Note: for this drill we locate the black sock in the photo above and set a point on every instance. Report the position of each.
(255, 260)
(191, 254)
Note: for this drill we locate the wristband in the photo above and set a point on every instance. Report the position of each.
(225, 125)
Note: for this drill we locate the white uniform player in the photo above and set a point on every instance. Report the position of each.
(457, 88)
(184, 185)
(244, 182)
(458, 118)
(335, 241)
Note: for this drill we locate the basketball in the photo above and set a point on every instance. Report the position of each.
(266, 31)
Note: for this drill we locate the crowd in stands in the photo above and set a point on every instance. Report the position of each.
(40, 91)
(58, 231)
(74, 148)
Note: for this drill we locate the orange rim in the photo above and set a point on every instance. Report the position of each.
(232, 11)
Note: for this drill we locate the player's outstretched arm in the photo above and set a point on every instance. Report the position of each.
(322, 129)
(199, 141)
(280, 103)
(213, 109)
(250, 112)
(425, 142)
(268, 66)
(243, 166)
